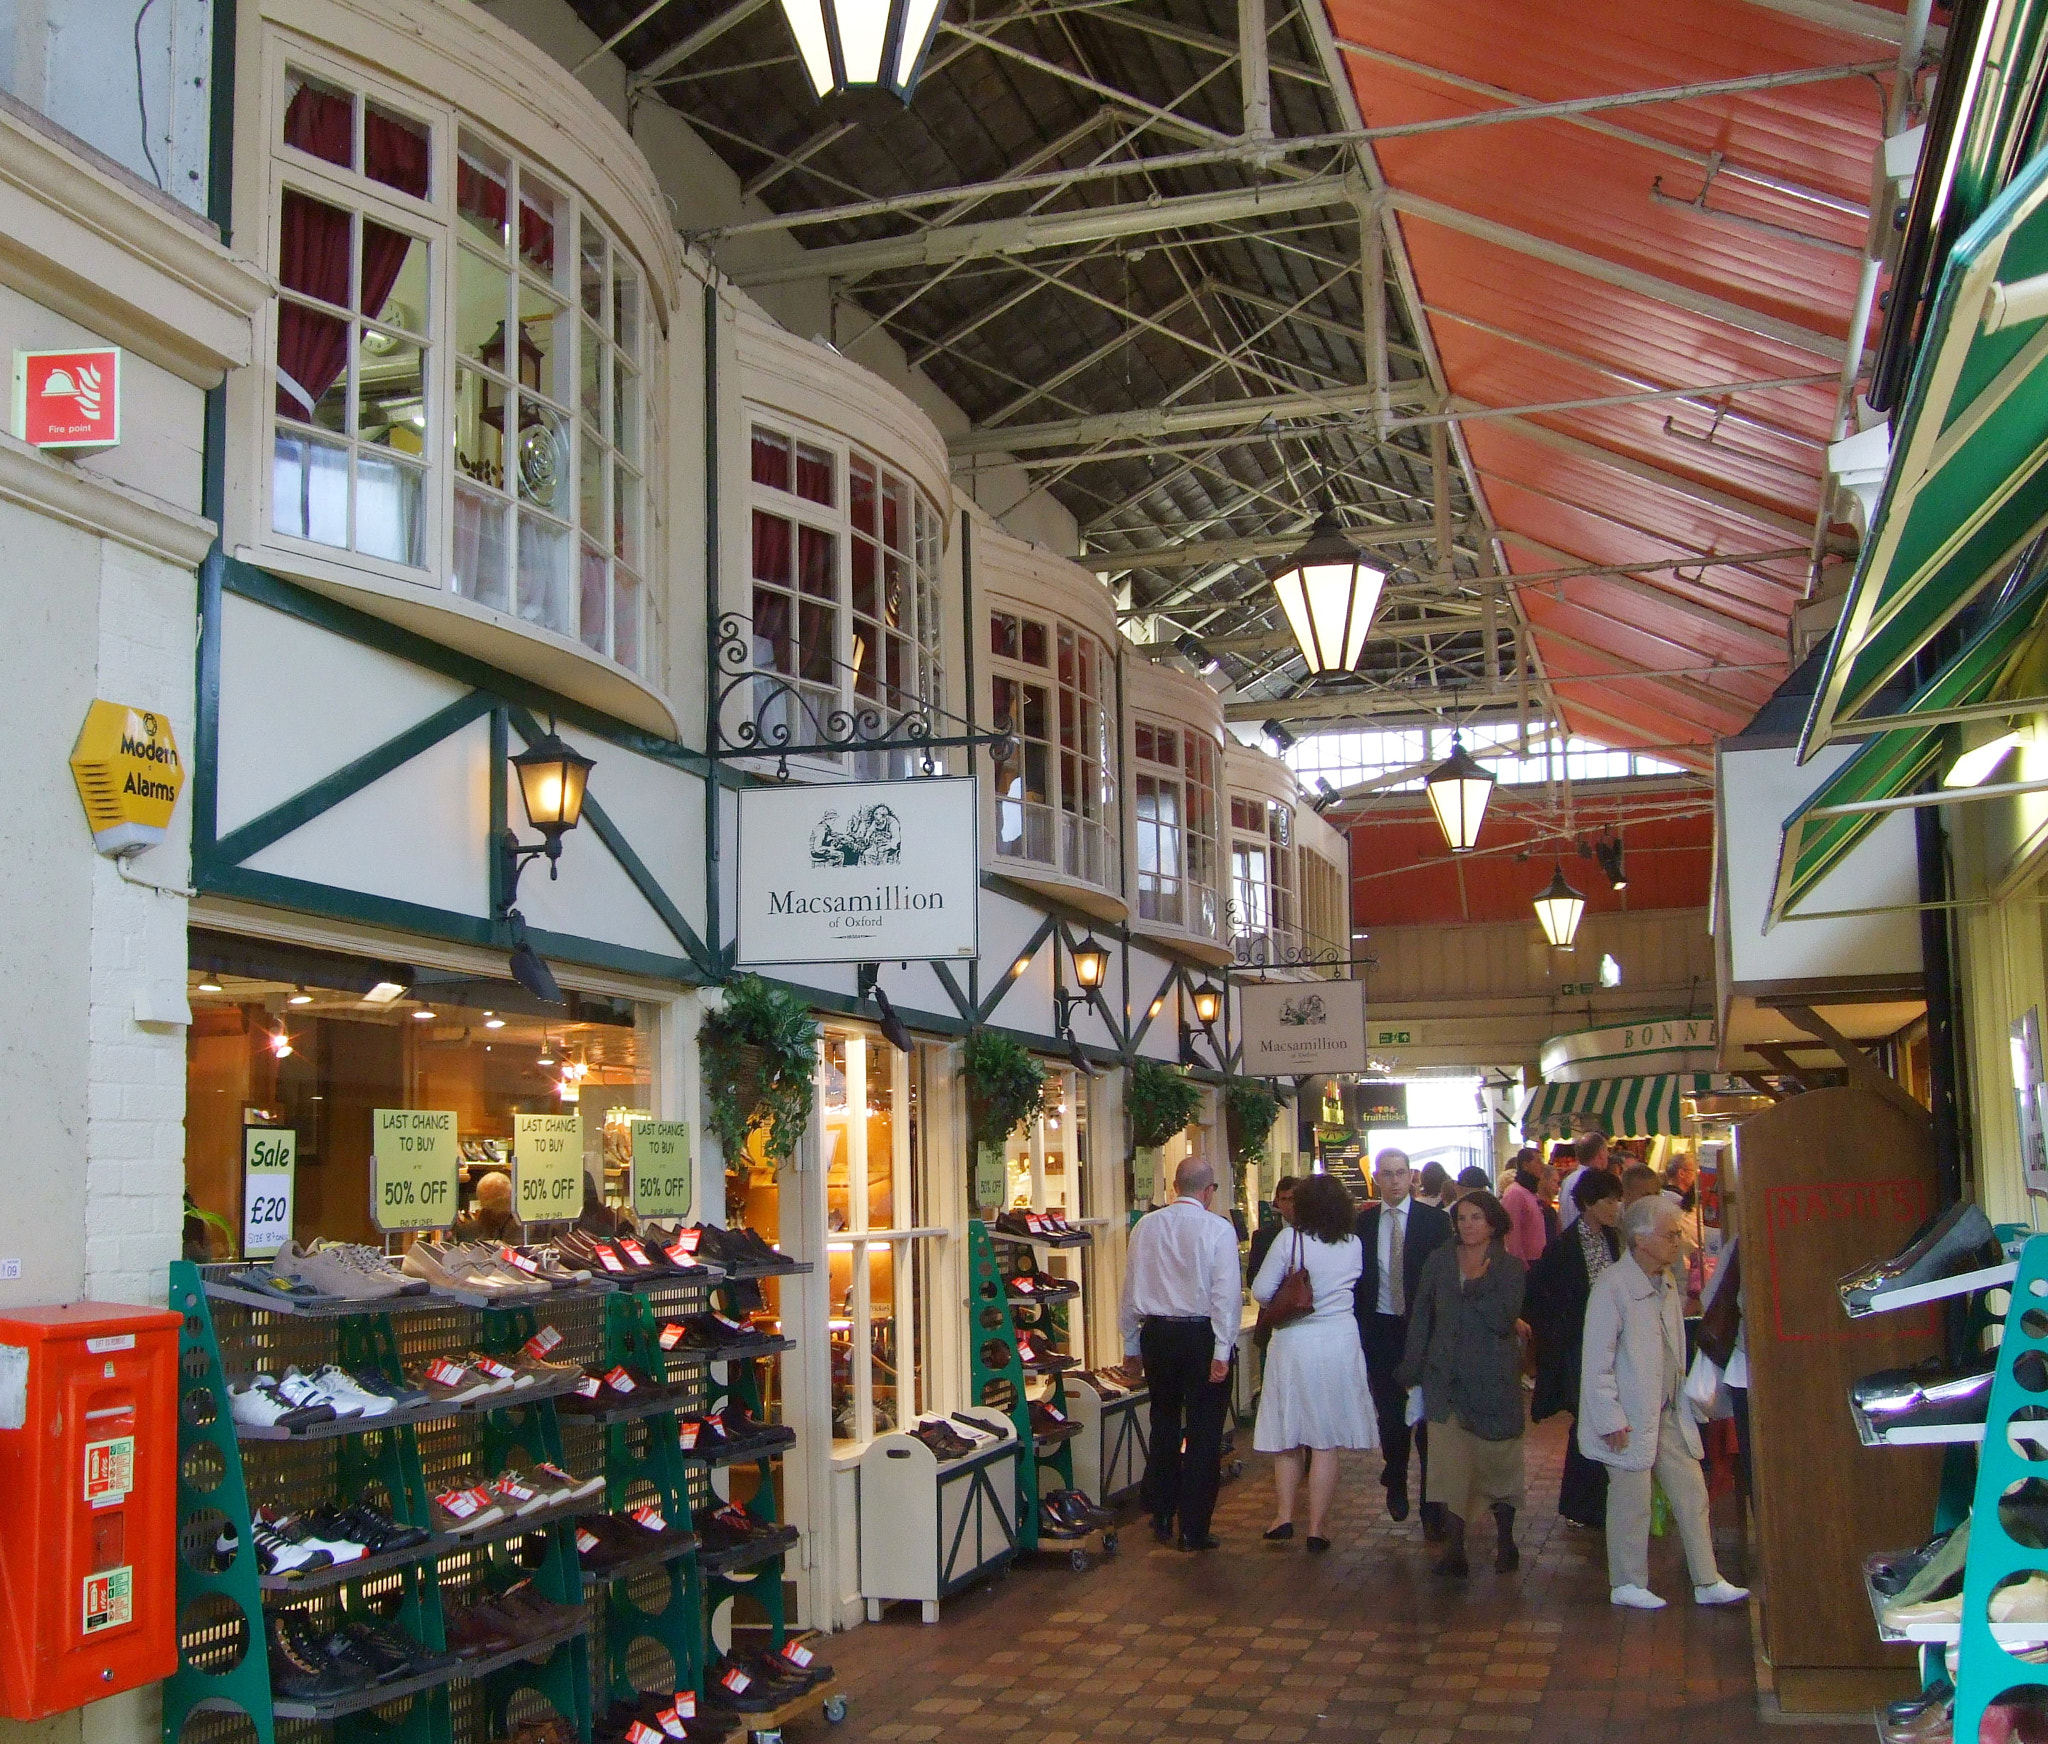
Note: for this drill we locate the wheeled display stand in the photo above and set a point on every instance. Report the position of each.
(1109, 1453)
(929, 1527)
(647, 1626)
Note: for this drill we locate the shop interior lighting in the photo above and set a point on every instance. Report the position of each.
(211, 987)
(493, 1021)
(1610, 971)
(1976, 766)
(1608, 853)
(300, 997)
(854, 45)
(383, 993)
(281, 1042)
(546, 1056)
(423, 1015)
(1558, 908)
(1329, 593)
(1458, 790)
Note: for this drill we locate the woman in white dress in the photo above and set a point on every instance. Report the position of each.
(1315, 1399)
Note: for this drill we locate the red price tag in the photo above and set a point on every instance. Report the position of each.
(736, 1680)
(797, 1654)
(686, 1704)
(672, 1335)
(686, 1434)
(633, 1250)
(687, 1240)
(446, 1373)
(619, 1381)
(513, 1257)
(590, 1386)
(650, 1517)
(679, 1255)
(586, 1542)
(542, 1342)
(671, 1722)
(609, 1260)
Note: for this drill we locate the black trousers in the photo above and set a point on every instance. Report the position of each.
(1385, 1337)
(1180, 1482)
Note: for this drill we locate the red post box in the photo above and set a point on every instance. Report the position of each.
(89, 1470)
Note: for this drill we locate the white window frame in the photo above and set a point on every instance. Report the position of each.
(924, 606)
(435, 220)
(1084, 848)
(1187, 781)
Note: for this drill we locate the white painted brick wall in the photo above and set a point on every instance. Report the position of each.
(135, 1126)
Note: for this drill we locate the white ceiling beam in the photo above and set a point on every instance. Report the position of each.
(699, 39)
(941, 246)
(1726, 622)
(1243, 550)
(1851, 17)
(1732, 314)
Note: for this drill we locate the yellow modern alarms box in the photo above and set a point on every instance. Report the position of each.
(128, 771)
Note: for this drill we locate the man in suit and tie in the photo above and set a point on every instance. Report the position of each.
(1398, 1233)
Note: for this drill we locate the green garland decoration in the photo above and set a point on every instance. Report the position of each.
(759, 1059)
(1161, 1101)
(1249, 1110)
(1005, 1086)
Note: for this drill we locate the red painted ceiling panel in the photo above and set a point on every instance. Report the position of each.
(1653, 479)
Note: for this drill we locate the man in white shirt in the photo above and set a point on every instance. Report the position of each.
(1591, 1150)
(1182, 1301)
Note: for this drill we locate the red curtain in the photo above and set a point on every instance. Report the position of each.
(313, 254)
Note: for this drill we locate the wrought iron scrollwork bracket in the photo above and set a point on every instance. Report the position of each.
(778, 717)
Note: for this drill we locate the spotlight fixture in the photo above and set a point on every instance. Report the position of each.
(1190, 648)
(1459, 788)
(1282, 739)
(1558, 907)
(1608, 853)
(300, 997)
(383, 993)
(1326, 795)
(1329, 592)
(281, 1042)
(546, 1056)
(493, 1022)
(529, 968)
(423, 1015)
(210, 986)
(850, 45)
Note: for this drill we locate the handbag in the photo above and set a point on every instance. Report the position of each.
(1294, 1300)
(1722, 1321)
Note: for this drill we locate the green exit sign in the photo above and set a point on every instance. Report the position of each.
(1393, 1038)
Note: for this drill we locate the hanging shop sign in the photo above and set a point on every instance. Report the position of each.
(991, 1177)
(1378, 1103)
(547, 1167)
(413, 1165)
(661, 1169)
(129, 775)
(859, 872)
(1661, 1044)
(68, 399)
(270, 1161)
(1292, 1028)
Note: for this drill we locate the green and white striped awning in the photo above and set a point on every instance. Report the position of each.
(1620, 1107)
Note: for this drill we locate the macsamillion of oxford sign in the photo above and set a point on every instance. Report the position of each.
(1294, 1028)
(859, 872)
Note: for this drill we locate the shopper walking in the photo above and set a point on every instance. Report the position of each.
(1633, 1414)
(1264, 1236)
(1591, 1150)
(1316, 1389)
(1435, 1188)
(1181, 1305)
(1464, 1355)
(1395, 1237)
(1522, 1200)
(1560, 1284)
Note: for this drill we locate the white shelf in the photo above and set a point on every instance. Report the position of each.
(1946, 1634)
(1915, 1295)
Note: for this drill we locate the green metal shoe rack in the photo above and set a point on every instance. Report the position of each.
(653, 1617)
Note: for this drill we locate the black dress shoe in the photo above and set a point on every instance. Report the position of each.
(1928, 1395)
(1317, 1546)
(1163, 1531)
(1279, 1534)
(1888, 1577)
(1209, 1541)
(1432, 1522)
(1958, 1239)
(1397, 1504)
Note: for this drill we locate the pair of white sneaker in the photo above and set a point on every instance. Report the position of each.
(266, 1401)
(1635, 1598)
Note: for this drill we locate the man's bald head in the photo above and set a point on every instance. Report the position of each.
(1193, 1176)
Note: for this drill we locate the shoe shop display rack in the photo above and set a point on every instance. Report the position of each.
(930, 1527)
(2010, 1446)
(999, 1371)
(1109, 1453)
(647, 1626)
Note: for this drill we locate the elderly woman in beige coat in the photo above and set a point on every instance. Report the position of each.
(1634, 1416)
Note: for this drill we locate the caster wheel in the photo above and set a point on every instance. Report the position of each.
(1109, 1544)
(1079, 1560)
(1237, 1468)
(835, 1709)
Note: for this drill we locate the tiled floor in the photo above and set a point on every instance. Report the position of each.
(1265, 1644)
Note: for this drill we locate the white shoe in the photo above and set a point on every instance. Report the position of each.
(1722, 1592)
(296, 1388)
(345, 1390)
(1637, 1598)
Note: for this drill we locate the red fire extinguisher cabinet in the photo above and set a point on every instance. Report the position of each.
(88, 1470)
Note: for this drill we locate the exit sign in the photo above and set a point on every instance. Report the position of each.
(1393, 1038)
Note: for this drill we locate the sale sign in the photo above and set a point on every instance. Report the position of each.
(68, 399)
(413, 1168)
(547, 1167)
(270, 1156)
(661, 1169)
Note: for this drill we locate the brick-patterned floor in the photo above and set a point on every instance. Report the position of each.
(1266, 1644)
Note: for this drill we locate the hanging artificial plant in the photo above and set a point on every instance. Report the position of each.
(1162, 1102)
(1005, 1086)
(759, 1055)
(1249, 1110)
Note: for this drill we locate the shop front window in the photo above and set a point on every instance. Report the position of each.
(1056, 782)
(870, 1101)
(1175, 796)
(845, 567)
(317, 1042)
(536, 357)
(1047, 1166)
